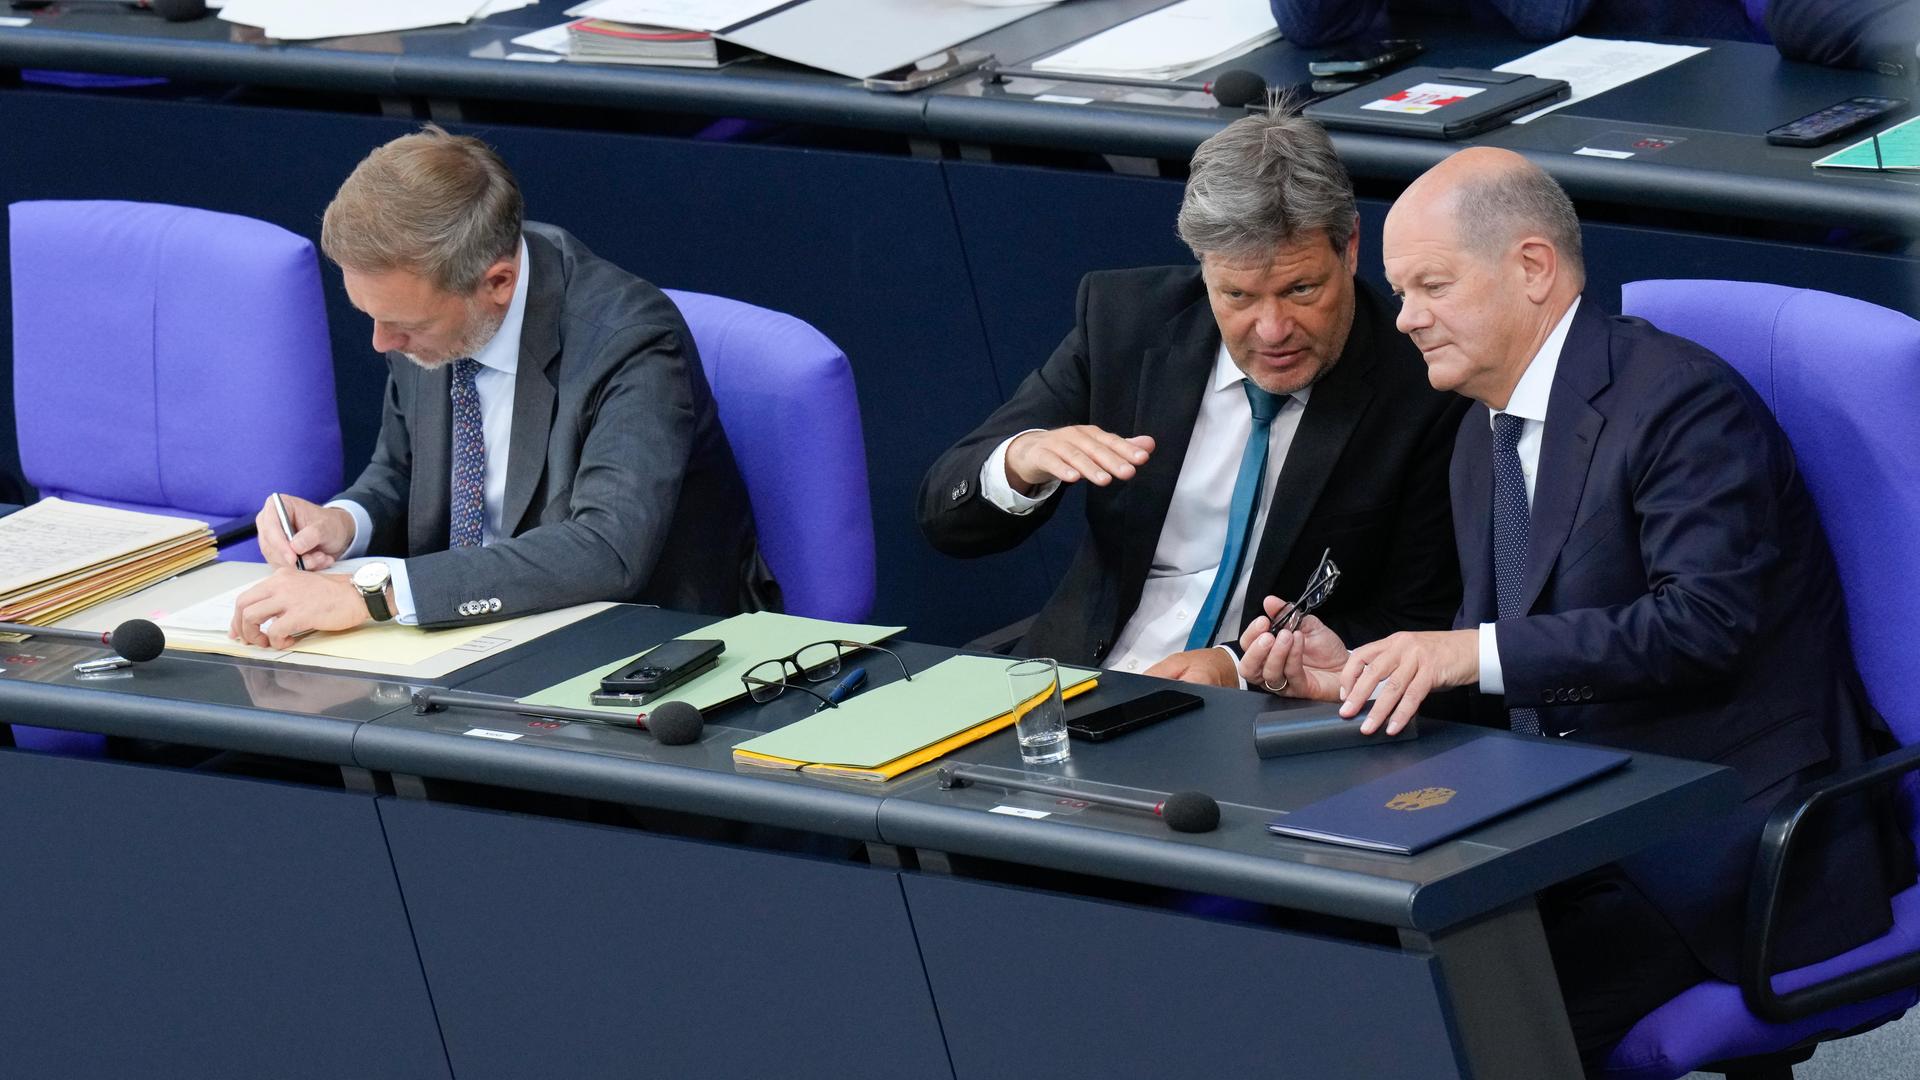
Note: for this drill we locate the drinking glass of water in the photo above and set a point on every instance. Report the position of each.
(1040, 716)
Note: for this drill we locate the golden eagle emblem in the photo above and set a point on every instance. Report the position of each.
(1423, 799)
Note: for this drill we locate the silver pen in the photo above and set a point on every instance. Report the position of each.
(286, 526)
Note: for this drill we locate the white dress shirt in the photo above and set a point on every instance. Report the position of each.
(1187, 557)
(1529, 403)
(499, 361)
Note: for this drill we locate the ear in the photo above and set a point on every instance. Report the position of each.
(496, 285)
(1350, 258)
(1539, 267)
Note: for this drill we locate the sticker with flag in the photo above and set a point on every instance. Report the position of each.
(1423, 98)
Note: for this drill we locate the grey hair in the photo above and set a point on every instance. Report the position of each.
(1494, 209)
(1263, 182)
(439, 205)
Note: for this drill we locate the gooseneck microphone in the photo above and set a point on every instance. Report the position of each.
(674, 723)
(1235, 88)
(136, 639)
(1183, 811)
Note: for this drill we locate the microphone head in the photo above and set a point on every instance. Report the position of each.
(180, 10)
(1190, 811)
(1239, 87)
(675, 723)
(138, 640)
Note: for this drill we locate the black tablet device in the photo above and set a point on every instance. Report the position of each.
(1438, 103)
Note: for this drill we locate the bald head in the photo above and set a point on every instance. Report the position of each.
(1484, 252)
(1496, 198)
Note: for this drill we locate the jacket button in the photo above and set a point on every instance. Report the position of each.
(1099, 650)
(493, 604)
(1586, 693)
(959, 492)
(1546, 697)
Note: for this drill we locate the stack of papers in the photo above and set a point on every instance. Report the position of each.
(307, 20)
(1171, 43)
(1896, 149)
(605, 41)
(707, 15)
(879, 734)
(59, 557)
(1595, 65)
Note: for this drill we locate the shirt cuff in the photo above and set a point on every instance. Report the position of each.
(404, 612)
(1235, 657)
(995, 489)
(362, 527)
(1492, 679)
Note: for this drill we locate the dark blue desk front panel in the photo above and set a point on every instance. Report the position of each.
(162, 923)
(559, 948)
(1034, 984)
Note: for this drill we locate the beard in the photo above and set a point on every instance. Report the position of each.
(478, 330)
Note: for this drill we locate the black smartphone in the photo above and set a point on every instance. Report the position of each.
(1366, 56)
(663, 667)
(1103, 724)
(1828, 124)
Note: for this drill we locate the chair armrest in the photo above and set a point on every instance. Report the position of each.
(232, 532)
(1763, 903)
(1001, 641)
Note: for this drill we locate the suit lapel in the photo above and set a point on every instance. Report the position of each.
(533, 391)
(1566, 446)
(430, 411)
(1334, 410)
(1174, 376)
(1473, 515)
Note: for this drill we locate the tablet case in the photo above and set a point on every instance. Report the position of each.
(1438, 103)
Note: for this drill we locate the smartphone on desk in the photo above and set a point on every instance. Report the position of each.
(1366, 57)
(1116, 720)
(660, 669)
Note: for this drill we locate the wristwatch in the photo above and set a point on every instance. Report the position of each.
(375, 582)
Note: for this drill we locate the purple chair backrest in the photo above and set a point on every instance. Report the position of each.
(170, 359)
(786, 400)
(1843, 378)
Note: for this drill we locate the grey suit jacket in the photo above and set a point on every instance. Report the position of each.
(620, 483)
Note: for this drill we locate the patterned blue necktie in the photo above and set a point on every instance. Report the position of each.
(469, 502)
(1246, 499)
(1512, 521)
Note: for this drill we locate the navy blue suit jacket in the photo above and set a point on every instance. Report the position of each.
(1681, 599)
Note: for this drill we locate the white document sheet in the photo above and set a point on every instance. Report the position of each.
(863, 38)
(1171, 43)
(554, 39)
(1595, 65)
(676, 14)
(306, 20)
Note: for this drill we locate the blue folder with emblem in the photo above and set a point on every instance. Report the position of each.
(1417, 807)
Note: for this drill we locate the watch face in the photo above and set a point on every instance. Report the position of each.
(372, 577)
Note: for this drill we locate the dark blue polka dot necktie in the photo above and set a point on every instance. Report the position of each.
(469, 503)
(1511, 524)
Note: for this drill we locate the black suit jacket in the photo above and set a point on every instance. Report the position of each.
(1366, 474)
(620, 483)
(1681, 599)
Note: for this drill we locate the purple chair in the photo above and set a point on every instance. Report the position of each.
(786, 400)
(1843, 378)
(169, 360)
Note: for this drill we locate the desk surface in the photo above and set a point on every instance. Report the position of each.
(324, 716)
(1720, 165)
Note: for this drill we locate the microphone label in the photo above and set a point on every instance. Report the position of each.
(483, 733)
(1020, 811)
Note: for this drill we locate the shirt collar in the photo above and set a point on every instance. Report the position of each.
(502, 351)
(1535, 388)
(1227, 374)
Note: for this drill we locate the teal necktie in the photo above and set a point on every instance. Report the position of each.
(1246, 499)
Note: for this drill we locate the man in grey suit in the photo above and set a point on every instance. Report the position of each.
(548, 436)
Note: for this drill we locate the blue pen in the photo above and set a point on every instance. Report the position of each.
(842, 690)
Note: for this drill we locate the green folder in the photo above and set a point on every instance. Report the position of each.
(751, 639)
(1899, 149)
(889, 722)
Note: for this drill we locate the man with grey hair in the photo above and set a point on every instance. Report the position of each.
(548, 436)
(1234, 421)
(1642, 568)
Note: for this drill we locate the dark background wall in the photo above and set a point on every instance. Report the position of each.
(944, 281)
